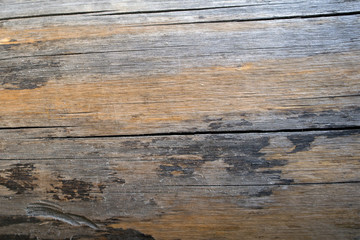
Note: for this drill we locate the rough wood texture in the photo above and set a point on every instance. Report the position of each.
(179, 120)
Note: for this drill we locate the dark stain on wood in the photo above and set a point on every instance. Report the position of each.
(335, 134)
(218, 125)
(72, 189)
(21, 76)
(13, 220)
(342, 115)
(263, 192)
(8, 47)
(177, 170)
(242, 156)
(249, 157)
(101, 187)
(303, 142)
(117, 180)
(122, 234)
(19, 178)
(109, 234)
(17, 237)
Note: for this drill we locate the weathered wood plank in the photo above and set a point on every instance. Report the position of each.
(179, 160)
(187, 187)
(301, 212)
(179, 119)
(245, 9)
(248, 41)
(96, 75)
(324, 93)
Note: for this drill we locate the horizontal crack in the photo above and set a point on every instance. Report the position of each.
(112, 12)
(326, 97)
(338, 14)
(180, 10)
(53, 15)
(95, 52)
(344, 128)
(31, 127)
(269, 184)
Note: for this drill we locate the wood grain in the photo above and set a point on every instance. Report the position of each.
(247, 97)
(103, 75)
(301, 212)
(191, 186)
(179, 119)
(15, 9)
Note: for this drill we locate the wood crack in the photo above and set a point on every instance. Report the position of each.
(343, 128)
(270, 184)
(95, 52)
(32, 127)
(326, 97)
(113, 12)
(181, 10)
(321, 15)
(52, 15)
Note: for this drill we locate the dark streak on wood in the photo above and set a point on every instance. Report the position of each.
(303, 142)
(116, 234)
(20, 76)
(13, 220)
(72, 189)
(19, 178)
(17, 237)
(110, 234)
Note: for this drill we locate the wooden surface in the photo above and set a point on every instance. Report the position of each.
(179, 119)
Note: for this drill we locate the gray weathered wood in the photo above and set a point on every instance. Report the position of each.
(244, 9)
(192, 87)
(126, 182)
(179, 119)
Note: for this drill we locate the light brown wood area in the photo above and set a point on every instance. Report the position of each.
(179, 119)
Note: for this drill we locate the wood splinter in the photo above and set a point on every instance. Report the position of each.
(54, 211)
